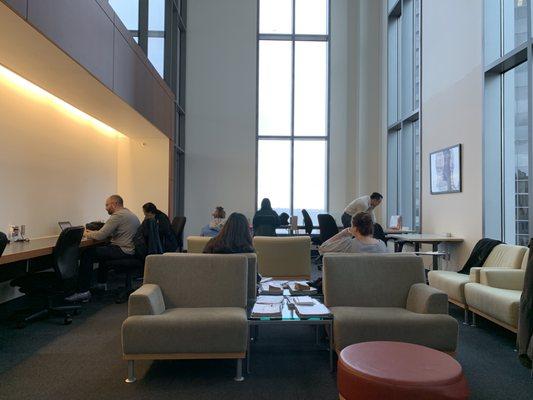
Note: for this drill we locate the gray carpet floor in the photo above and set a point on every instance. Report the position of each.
(48, 360)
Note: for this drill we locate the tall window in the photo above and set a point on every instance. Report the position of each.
(508, 47)
(292, 107)
(159, 27)
(403, 138)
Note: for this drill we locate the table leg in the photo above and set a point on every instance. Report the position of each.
(249, 350)
(317, 340)
(417, 246)
(331, 346)
(435, 258)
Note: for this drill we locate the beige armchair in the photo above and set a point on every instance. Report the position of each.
(497, 295)
(453, 283)
(196, 244)
(384, 297)
(283, 257)
(191, 306)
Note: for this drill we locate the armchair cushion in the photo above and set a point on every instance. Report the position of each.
(505, 255)
(452, 283)
(424, 299)
(187, 330)
(147, 300)
(501, 304)
(362, 324)
(199, 280)
(503, 278)
(283, 256)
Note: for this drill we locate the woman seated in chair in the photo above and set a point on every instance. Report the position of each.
(167, 238)
(219, 219)
(356, 239)
(234, 237)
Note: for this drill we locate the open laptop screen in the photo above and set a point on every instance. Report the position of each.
(64, 225)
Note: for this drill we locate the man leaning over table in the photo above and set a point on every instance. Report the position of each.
(120, 229)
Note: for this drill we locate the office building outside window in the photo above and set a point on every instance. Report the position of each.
(403, 112)
(507, 118)
(292, 105)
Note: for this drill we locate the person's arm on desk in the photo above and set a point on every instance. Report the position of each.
(107, 230)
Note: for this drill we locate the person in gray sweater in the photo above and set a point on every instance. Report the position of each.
(356, 239)
(120, 229)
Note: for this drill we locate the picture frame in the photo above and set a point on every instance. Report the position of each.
(445, 170)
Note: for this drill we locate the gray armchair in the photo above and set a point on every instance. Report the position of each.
(384, 297)
(191, 306)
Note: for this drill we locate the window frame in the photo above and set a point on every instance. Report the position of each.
(293, 38)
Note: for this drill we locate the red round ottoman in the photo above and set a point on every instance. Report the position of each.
(395, 370)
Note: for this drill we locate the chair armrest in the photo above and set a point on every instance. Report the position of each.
(424, 299)
(147, 300)
(475, 274)
(503, 278)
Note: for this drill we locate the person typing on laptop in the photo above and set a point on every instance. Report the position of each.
(120, 229)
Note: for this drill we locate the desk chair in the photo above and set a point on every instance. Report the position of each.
(51, 287)
(178, 225)
(3, 242)
(328, 227)
(127, 266)
(308, 222)
(284, 219)
(264, 225)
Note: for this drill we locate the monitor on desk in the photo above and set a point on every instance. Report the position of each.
(64, 225)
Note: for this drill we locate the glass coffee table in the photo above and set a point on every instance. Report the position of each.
(289, 317)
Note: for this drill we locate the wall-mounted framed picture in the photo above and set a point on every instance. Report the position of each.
(445, 170)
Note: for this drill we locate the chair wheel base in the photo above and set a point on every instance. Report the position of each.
(238, 379)
(130, 380)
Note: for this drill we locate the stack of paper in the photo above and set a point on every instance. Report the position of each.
(271, 288)
(266, 310)
(316, 310)
(265, 279)
(300, 287)
(269, 299)
(303, 301)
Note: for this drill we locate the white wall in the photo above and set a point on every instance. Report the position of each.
(452, 110)
(53, 167)
(220, 118)
(221, 106)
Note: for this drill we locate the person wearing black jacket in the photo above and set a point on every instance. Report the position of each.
(168, 239)
(266, 220)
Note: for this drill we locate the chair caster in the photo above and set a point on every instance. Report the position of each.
(67, 320)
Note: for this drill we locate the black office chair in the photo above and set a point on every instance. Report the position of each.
(127, 266)
(52, 287)
(284, 219)
(328, 227)
(3, 242)
(178, 225)
(264, 225)
(308, 222)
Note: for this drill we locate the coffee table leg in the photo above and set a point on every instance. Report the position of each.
(249, 352)
(317, 341)
(331, 346)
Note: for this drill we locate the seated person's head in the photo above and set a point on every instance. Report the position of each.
(219, 212)
(235, 235)
(149, 210)
(113, 203)
(363, 224)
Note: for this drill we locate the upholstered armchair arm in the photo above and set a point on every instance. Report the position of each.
(147, 300)
(424, 299)
(503, 278)
(475, 275)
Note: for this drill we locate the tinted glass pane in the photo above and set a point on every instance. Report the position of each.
(275, 16)
(156, 15)
(273, 173)
(514, 23)
(516, 158)
(406, 177)
(407, 83)
(310, 90)
(311, 17)
(393, 72)
(310, 183)
(156, 53)
(128, 12)
(418, 175)
(392, 174)
(417, 54)
(275, 81)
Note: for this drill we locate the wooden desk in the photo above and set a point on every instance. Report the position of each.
(20, 251)
(419, 238)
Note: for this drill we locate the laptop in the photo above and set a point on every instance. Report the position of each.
(64, 225)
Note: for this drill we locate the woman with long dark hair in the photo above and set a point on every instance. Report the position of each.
(234, 237)
(168, 239)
